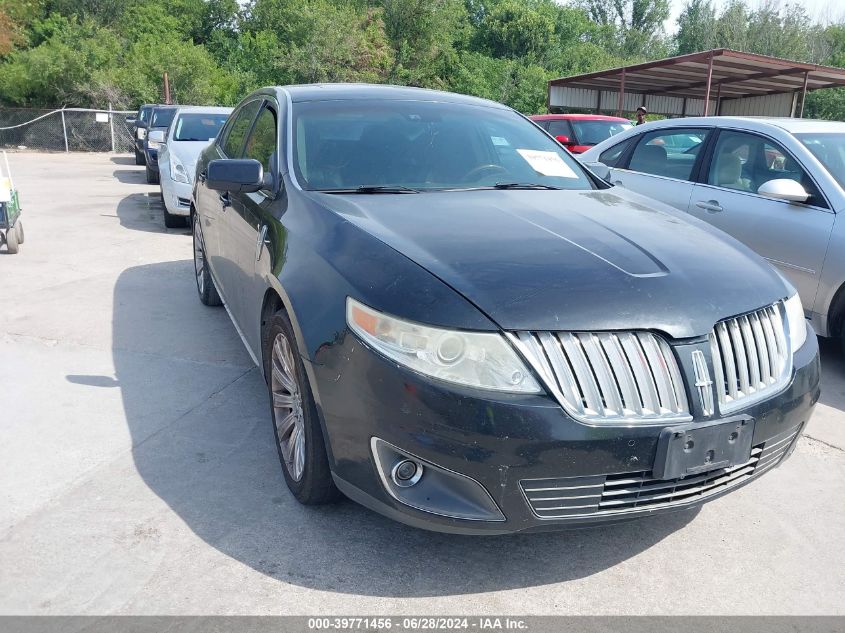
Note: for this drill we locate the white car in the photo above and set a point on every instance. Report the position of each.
(189, 133)
(778, 185)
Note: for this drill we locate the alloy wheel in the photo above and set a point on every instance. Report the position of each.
(287, 407)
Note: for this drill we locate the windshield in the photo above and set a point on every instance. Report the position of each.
(594, 132)
(198, 126)
(829, 149)
(163, 117)
(424, 146)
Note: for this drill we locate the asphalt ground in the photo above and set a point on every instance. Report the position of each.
(138, 473)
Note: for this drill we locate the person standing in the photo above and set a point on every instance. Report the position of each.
(641, 112)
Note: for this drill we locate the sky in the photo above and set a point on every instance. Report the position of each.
(823, 10)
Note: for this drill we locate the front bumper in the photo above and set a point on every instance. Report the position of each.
(177, 195)
(507, 442)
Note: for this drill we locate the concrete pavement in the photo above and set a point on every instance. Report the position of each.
(138, 473)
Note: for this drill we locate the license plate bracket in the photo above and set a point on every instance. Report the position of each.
(689, 449)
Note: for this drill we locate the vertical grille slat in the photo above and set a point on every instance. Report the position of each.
(609, 376)
(586, 379)
(751, 357)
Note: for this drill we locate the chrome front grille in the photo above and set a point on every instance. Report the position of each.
(609, 376)
(607, 495)
(751, 357)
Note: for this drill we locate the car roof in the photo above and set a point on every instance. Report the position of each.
(792, 126)
(582, 117)
(205, 109)
(354, 91)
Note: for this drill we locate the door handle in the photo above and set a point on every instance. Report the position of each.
(711, 206)
(261, 242)
(618, 183)
(225, 200)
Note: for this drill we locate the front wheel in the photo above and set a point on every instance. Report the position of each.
(205, 284)
(139, 158)
(299, 438)
(19, 229)
(12, 240)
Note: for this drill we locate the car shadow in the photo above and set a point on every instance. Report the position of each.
(123, 160)
(216, 467)
(832, 354)
(145, 212)
(135, 176)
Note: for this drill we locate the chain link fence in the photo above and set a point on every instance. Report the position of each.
(66, 130)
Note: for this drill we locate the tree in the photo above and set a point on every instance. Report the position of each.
(696, 27)
(519, 29)
(638, 23)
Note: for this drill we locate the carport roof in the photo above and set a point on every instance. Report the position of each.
(733, 73)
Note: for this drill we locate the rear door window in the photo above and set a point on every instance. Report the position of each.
(670, 153)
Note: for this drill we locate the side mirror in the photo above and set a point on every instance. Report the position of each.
(156, 136)
(235, 174)
(784, 189)
(563, 139)
(599, 169)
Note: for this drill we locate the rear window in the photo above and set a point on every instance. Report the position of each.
(163, 118)
(198, 126)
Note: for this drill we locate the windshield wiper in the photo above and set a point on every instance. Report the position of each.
(372, 189)
(523, 185)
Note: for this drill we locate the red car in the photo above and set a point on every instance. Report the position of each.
(579, 132)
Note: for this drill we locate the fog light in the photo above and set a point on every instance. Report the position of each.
(406, 473)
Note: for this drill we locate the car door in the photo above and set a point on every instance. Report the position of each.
(249, 224)
(661, 164)
(791, 236)
(216, 205)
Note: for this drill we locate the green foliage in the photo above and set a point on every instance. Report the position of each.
(90, 52)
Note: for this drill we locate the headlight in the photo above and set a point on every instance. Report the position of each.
(178, 171)
(476, 359)
(795, 321)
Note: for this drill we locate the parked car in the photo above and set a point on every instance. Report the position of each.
(465, 330)
(139, 130)
(580, 132)
(160, 120)
(191, 130)
(774, 184)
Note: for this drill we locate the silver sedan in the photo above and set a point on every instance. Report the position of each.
(778, 185)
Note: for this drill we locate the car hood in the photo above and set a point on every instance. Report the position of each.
(187, 152)
(564, 260)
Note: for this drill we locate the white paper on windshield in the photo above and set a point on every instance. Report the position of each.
(547, 163)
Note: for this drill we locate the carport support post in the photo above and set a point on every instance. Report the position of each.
(803, 94)
(709, 81)
(621, 102)
(64, 129)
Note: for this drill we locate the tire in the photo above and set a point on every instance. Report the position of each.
(205, 284)
(173, 221)
(152, 176)
(19, 229)
(12, 240)
(296, 425)
(140, 159)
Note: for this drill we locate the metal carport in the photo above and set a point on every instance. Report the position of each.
(720, 81)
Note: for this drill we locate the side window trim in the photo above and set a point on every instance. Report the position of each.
(270, 105)
(766, 138)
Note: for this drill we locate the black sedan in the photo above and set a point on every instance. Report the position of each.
(160, 119)
(462, 328)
